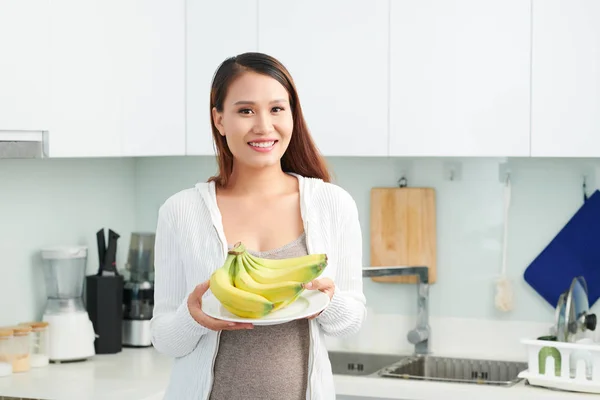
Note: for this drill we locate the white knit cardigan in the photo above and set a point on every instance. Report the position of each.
(191, 244)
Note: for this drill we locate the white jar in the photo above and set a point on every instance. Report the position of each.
(39, 343)
(6, 352)
(21, 361)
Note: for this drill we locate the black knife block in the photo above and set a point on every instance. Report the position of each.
(104, 303)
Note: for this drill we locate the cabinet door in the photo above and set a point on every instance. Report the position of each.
(152, 67)
(24, 78)
(337, 54)
(86, 92)
(460, 77)
(566, 79)
(118, 78)
(209, 43)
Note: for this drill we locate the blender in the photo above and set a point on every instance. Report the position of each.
(138, 292)
(70, 331)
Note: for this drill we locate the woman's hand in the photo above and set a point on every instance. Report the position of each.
(325, 285)
(194, 303)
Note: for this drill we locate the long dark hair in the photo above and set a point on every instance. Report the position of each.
(302, 156)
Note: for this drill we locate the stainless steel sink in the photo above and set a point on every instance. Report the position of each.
(488, 372)
(345, 363)
(431, 368)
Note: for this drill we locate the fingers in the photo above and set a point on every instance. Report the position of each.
(319, 284)
(325, 285)
(195, 307)
(220, 325)
(217, 324)
(200, 289)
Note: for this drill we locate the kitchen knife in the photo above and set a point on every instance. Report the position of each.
(110, 260)
(101, 250)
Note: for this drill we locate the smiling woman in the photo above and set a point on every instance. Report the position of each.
(255, 106)
(271, 193)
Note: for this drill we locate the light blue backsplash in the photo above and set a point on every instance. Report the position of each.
(48, 202)
(56, 202)
(545, 194)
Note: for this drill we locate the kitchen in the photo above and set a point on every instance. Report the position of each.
(493, 88)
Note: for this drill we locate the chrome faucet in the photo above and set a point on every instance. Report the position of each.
(422, 333)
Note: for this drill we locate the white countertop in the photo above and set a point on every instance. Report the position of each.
(143, 374)
(389, 388)
(133, 374)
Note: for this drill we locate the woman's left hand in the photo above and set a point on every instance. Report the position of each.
(325, 285)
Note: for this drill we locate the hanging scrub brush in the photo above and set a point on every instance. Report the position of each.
(504, 294)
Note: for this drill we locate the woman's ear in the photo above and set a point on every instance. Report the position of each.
(218, 121)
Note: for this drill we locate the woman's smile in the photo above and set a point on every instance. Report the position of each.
(263, 146)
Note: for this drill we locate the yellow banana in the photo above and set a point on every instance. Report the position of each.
(244, 314)
(233, 298)
(253, 287)
(301, 273)
(286, 303)
(285, 263)
(274, 292)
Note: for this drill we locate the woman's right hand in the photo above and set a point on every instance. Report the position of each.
(194, 303)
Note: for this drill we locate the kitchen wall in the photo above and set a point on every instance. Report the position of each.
(49, 202)
(56, 202)
(545, 194)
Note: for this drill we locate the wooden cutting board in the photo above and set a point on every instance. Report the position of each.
(403, 230)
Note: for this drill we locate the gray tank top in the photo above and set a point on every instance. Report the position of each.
(267, 362)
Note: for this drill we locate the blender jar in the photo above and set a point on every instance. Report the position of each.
(6, 351)
(64, 273)
(140, 261)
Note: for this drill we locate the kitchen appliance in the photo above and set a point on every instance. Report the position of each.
(403, 230)
(138, 295)
(104, 294)
(70, 331)
(573, 252)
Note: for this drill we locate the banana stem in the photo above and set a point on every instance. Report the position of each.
(237, 249)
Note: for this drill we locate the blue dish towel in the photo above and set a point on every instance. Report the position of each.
(574, 251)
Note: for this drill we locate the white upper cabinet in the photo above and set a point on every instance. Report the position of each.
(216, 30)
(460, 77)
(24, 77)
(118, 78)
(566, 78)
(337, 54)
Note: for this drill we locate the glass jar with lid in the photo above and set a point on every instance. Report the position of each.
(38, 343)
(6, 351)
(21, 361)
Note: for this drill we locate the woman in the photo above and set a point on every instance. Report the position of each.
(272, 193)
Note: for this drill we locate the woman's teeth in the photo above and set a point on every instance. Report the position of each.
(262, 144)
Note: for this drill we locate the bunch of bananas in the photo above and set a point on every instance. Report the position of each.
(252, 287)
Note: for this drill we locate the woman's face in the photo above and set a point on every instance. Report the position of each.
(256, 120)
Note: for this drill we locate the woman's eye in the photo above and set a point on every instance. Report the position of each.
(277, 109)
(245, 111)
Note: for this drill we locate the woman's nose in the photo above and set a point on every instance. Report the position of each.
(263, 124)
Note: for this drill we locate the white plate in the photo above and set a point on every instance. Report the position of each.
(310, 302)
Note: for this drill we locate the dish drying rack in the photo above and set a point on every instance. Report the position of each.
(563, 365)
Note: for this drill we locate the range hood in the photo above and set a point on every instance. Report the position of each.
(23, 144)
